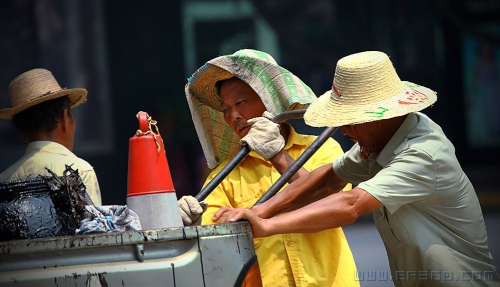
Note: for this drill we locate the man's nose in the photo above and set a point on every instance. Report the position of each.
(343, 130)
(235, 116)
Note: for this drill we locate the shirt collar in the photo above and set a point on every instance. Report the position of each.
(293, 139)
(397, 140)
(54, 147)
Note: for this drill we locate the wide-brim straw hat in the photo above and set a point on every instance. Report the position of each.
(36, 86)
(366, 88)
(279, 89)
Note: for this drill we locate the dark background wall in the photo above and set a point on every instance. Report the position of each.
(131, 56)
(146, 59)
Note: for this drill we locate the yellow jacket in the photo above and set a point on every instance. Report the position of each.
(300, 259)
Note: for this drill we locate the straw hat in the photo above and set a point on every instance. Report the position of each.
(366, 88)
(34, 87)
(278, 88)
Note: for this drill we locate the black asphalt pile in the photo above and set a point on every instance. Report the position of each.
(43, 206)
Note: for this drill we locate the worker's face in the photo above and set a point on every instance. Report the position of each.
(239, 104)
(365, 135)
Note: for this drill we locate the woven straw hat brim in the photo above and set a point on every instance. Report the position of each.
(264, 75)
(36, 86)
(76, 97)
(331, 110)
(277, 87)
(205, 84)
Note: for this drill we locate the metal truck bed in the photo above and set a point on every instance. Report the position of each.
(214, 255)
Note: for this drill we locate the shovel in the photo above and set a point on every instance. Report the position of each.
(299, 162)
(242, 153)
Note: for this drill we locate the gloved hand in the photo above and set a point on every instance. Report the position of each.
(264, 136)
(191, 210)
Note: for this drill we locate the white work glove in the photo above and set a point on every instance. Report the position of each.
(191, 210)
(264, 136)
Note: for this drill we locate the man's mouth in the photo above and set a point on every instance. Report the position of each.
(241, 129)
(363, 154)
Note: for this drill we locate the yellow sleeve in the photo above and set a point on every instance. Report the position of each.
(326, 154)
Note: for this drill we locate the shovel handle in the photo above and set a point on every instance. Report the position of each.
(242, 153)
(299, 162)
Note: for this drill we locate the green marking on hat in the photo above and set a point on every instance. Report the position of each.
(411, 85)
(308, 90)
(262, 55)
(227, 134)
(278, 88)
(260, 71)
(213, 115)
(262, 66)
(290, 84)
(378, 114)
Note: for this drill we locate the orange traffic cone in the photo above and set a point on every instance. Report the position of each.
(150, 190)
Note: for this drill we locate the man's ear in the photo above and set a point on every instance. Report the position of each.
(65, 119)
(23, 136)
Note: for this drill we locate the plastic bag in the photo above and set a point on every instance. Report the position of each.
(108, 218)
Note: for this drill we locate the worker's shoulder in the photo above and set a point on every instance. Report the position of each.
(60, 161)
(309, 139)
(81, 164)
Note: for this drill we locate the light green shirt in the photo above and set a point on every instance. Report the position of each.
(54, 156)
(431, 222)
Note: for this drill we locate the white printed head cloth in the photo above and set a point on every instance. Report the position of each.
(366, 88)
(278, 88)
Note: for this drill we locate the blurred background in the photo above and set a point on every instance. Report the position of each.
(135, 56)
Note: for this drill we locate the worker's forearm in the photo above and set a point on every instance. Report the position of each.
(333, 211)
(282, 161)
(308, 188)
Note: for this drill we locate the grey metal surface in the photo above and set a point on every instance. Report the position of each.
(191, 256)
(232, 253)
(157, 210)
